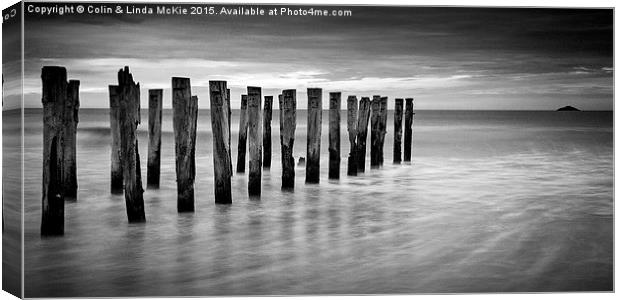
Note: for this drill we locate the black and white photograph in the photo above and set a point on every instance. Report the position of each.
(176, 149)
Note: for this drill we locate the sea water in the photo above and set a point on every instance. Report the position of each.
(493, 201)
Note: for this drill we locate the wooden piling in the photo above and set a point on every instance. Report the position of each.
(243, 134)
(54, 95)
(398, 129)
(116, 168)
(352, 130)
(255, 143)
(184, 112)
(129, 99)
(362, 133)
(280, 109)
(70, 122)
(194, 132)
(267, 112)
(154, 158)
(313, 146)
(334, 135)
(408, 131)
(280, 114)
(280, 118)
(288, 124)
(375, 123)
(222, 167)
(383, 112)
(229, 108)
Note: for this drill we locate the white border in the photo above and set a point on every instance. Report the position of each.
(506, 3)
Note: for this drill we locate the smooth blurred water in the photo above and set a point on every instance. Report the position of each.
(493, 202)
(12, 251)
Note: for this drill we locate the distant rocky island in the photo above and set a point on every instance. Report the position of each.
(568, 108)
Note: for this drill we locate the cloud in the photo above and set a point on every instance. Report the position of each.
(439, 54)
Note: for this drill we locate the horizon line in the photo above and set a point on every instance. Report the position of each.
(305, 109)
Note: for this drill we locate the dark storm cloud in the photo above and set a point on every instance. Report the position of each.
(437, 54)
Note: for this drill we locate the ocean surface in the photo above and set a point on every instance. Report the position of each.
(494, 201)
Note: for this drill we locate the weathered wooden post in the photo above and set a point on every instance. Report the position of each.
(255, 132)
(408, 132)
(288, 124)
(334, 135)
(154, 158)
(362, 133)
(243, 134)
(383, 112)
(70, 122)
(116, 168)
(375, 132)
(129, 99)
(280, 117)
(54, 96)
(352, 130)
(229, 120)
(280, 108)
(280, 114)
(228, 107)
(184, 112)
(398, 129)
(267, 132)
(313, 146)
(194, 132)
(222, 167)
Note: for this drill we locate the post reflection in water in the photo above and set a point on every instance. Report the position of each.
(492, 202)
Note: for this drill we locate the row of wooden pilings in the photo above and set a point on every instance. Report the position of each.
(61, 103)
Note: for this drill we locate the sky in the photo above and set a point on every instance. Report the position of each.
(445, 57)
